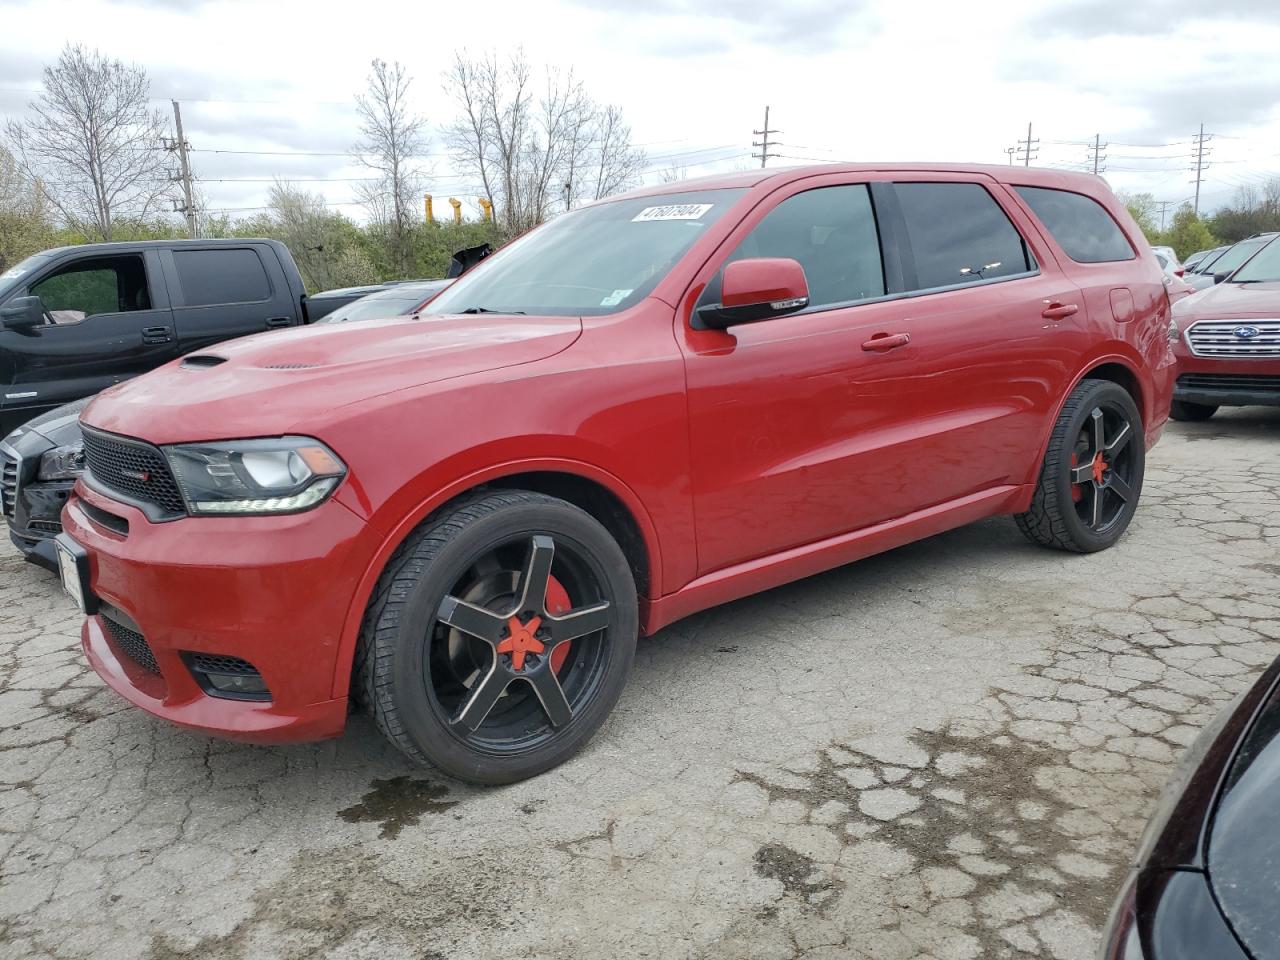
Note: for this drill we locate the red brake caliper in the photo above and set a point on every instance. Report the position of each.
(558, 602)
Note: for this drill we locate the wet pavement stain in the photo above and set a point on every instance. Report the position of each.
(398, 803)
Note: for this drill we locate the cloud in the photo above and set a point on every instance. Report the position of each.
(1101, 18)
(684, 28)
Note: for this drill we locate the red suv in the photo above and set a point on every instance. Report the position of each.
(646, 407)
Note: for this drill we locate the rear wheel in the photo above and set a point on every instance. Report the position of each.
(500, 637)
(1092, 473)
(1191, 412)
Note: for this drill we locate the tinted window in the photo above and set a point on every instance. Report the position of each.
(221, 276)
(832, 233)
(89, 287)
(1264, 268)
(1238, 254)
(1080, 224)
(959, 234)
(592, 261)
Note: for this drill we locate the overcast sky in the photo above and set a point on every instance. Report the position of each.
(869, 80)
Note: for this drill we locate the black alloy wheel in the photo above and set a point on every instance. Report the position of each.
(500, 636)
(1102, 470)
(1091, 477)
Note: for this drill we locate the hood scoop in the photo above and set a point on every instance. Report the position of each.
(199, 361)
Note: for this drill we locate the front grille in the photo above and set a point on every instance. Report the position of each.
(1221, 338)
(133, 468)
(8, 482)
(215, 663)
(133, 644)
(1238, 382)
(45, 528)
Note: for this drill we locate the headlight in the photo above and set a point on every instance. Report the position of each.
(286, 475)
(1173, 330)
(62, 463)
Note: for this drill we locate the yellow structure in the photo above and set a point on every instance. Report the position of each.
(426, 202)
(457, 209)
(486, 208)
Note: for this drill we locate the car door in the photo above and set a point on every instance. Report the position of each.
(795, 422)
(106, 319)
(222, 292)
(996, 331)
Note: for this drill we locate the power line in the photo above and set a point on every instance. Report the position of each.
(1096, 154)
(1028, 148)
(1200, 141)
(764, 143)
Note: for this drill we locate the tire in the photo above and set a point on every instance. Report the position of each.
(417, 648)
(1191, 412)
(1071, 508)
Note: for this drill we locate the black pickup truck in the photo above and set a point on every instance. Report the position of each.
(75, 320)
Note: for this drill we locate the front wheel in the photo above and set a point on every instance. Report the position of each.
(1092, 472)
(500, 637)
(1191, 412)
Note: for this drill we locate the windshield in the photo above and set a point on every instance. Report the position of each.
(372, 308)
(16, 275)
(593, 261)
(1265, 266)
(1207, 260)
(1242, 251)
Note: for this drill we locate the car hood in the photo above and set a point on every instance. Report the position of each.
(280, 382)
(1227, 301)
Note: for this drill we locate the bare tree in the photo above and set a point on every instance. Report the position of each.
(93, 141)
(392, 138)
(535, 152)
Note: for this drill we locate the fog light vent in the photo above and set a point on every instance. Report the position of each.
(229, 677)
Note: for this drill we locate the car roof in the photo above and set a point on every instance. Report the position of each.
(778, 176)
(117, 246)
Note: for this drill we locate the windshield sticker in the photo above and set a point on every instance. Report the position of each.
(615, 298)
(673, 211)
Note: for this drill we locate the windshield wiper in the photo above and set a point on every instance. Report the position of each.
(1258, 280)
(519, 313)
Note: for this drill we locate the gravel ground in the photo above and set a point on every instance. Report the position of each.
(947, 751)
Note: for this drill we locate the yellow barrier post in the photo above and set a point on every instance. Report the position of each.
(426, 202)
(457, 209)
(487, 208)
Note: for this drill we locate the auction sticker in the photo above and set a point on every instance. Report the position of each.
(673, 211)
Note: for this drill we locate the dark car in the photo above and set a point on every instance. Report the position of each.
(1206, 882)
(39, 464)
(76, 320)
(397, 300)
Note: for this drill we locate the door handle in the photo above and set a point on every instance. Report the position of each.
(886, 341)
(1059, 311)
(273, 322)
(156, 335)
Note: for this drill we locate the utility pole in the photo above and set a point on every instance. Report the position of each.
(180, 146)
(1028, 148)
(1009, 152)
(764, 143)
(1098, 156)
(1200, 139)
(1164, 205)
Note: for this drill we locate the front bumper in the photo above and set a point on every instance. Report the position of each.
(32, 507)
(1226, 382)
(272, 591)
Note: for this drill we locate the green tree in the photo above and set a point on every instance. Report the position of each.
(1142, 207)
(1188, 233)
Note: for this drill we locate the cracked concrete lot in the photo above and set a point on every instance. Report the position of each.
(947, 751)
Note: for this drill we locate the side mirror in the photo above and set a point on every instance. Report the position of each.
(22, 313)
(757, 289)
(1219, 277)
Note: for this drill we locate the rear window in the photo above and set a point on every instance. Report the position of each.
(1083, 228)
(959, 235)
(210, 277)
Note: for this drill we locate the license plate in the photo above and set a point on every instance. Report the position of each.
(73, 575)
